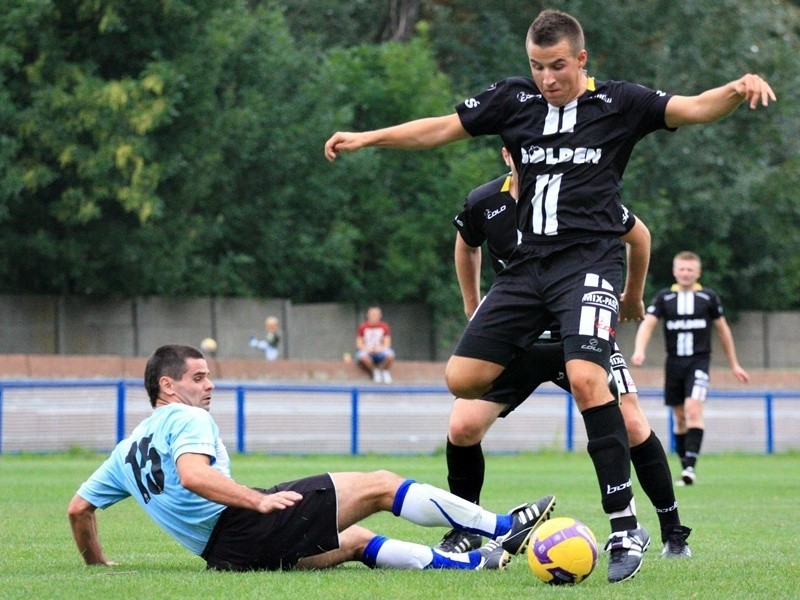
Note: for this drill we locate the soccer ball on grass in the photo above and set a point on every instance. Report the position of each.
(562, 550)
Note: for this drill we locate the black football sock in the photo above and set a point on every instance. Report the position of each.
(694, 439)
(680, 448)
(652, 469)
(466, 468)
(608, 448)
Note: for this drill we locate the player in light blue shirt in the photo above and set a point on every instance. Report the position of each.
(175, 465)
(142, 465)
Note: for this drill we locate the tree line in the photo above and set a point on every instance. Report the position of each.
(175, 148)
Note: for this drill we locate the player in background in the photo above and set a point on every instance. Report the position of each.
(488, 217)
(571, 137)
(688, 310)
(177, 468)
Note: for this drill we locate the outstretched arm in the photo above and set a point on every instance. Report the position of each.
(719, 102)
(468, 272)
(631, 299)
(412, 135)
(726, 339)
(83, 521)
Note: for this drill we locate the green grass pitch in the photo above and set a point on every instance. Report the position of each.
(744, 512)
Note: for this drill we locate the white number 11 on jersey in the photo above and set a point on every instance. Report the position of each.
(545, 204)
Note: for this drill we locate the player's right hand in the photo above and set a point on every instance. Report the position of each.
(630, 310)
(341, 141)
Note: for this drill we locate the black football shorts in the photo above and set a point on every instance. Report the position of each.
(576, 282)
(246, 540)
(686, 377)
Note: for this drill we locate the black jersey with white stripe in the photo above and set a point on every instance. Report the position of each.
(570, 159)
(489, 215)
(688, 318)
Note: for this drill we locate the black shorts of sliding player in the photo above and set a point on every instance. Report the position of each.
(247, 540)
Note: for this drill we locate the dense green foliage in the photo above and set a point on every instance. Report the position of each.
(175, 148)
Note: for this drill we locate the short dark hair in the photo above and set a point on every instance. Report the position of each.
(552, 26)
(167, 360)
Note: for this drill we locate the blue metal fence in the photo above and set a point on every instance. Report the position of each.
(39, 401)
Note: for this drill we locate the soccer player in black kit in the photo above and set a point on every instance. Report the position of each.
(489, 216)
(688, 310)
(571, 137)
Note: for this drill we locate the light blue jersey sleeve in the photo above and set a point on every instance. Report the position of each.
(105, 487)
(144, 466)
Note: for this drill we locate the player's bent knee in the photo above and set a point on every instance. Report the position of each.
(470, 382)
(369, 486)
(581, 390)
(588, 395)
(464, 434)
(589, 383)
(353, 540)
(373, 489)
(386, 479)
(464, 388)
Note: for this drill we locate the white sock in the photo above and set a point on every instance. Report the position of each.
(429, 506)
(395, 554)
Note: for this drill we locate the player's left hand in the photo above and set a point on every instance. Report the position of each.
(278, 501)
(753, 88)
